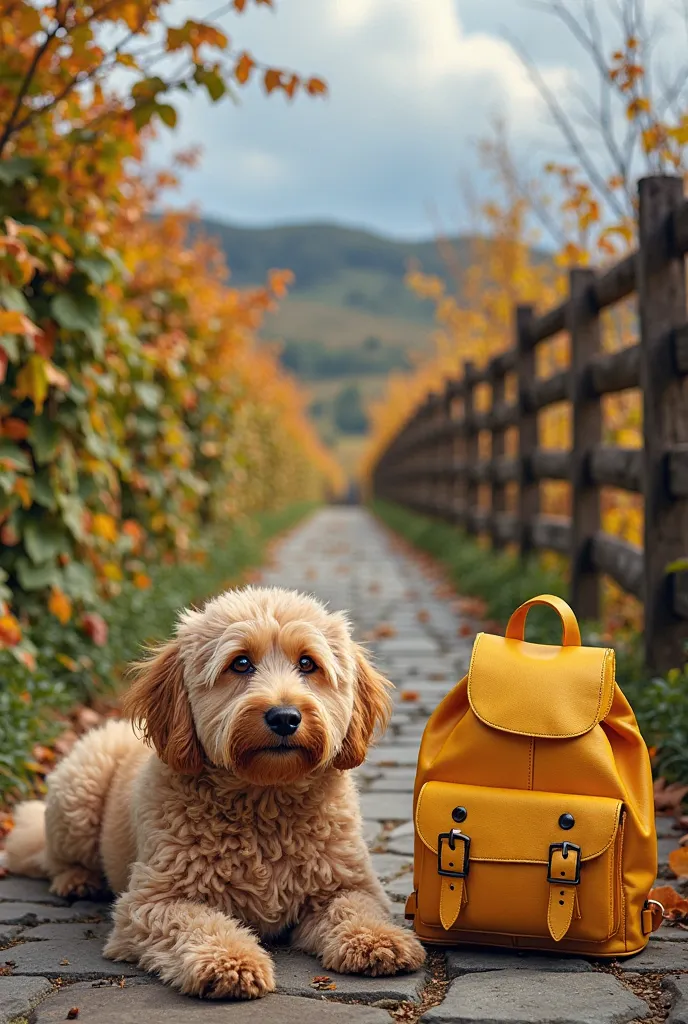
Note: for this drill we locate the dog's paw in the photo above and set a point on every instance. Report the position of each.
(78, 882)
(240, 970)
(373, 948)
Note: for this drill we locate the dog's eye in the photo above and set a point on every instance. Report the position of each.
(242, 664)
(306, 665)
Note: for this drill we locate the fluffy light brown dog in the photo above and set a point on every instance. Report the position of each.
(244, 822)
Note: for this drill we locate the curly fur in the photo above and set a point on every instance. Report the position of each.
(227, 834)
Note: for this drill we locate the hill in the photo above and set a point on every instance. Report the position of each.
(349, 319)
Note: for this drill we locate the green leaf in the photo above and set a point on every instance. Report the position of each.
(150, 395)
(79, 582)
(36, 577)
(143, 112)
(14, 457)
(212, 81)
(44, 540)
(97, 268)
(16, 168)
(167, 114)
(43, 492)
(44, 435)
(76, 313)
(12, 298)
(72, 510)
(148, 88)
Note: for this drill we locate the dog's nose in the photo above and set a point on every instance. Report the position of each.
(283, 721)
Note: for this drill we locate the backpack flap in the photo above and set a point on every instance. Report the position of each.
(540, 690)
(519, 861)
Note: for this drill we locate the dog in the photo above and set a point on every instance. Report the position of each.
(243, 822)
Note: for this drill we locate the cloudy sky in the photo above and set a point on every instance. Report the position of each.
(413, 84)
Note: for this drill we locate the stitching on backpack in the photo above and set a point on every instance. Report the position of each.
(531, 760)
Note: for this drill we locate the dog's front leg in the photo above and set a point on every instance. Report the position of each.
(197, 950)
(352, 933)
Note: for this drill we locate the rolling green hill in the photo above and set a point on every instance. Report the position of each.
(349, 320)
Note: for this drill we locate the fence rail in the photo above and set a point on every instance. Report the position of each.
(433, 465)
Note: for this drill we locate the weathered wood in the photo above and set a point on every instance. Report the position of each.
(680, 347)
(503, 363)
(617, 467)
(471, 444)
(679, 594)
(505, 469)
(615, 372)
(677, 460)
(498, 495)
(662, 299)
(622, 561)
(505, 526)
(546, 326)
(551, 533)
(617, 283)
(680, 229)
(548, 390)
(550, 464)
(529, 494)
(584, 329)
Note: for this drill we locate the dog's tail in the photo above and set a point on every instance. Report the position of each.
(25, 847)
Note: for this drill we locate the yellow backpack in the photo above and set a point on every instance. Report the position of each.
(533, 803)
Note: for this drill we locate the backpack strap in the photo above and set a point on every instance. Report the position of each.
(515, 629)
(563, 875)
(453, 861)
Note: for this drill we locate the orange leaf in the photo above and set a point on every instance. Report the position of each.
(10, 631)
(272, 79)
(316, 87)
(15, 429)
(142, 581)
(14, 322)
(244, 67)
(678, 861)
(409, 696)
(60, 606)
(104, 526)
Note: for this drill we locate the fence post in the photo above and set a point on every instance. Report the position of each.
(470, 446)
(529, 491)
(498, 450)
(585, 338)
(662, 300)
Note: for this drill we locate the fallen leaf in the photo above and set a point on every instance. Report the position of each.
(423, 615)
(73, 1013)
(384, 629)
(409, 696)
(465, 630)
(64, 963)
(668, 798)
(678, 861)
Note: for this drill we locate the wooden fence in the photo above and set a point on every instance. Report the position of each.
(433, 464)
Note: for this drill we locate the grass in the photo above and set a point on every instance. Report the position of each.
(504, 581)
(71, 669)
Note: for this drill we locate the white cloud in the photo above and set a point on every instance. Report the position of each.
(410, 90)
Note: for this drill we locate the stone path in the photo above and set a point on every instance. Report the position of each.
(50, 961)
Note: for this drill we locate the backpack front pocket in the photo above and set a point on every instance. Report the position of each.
(519, 862)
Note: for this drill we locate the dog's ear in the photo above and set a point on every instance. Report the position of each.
(158, 704)
(372, 710)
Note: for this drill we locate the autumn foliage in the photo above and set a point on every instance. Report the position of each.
(592, 215)
(136, 408)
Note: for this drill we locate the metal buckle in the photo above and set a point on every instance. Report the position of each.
(564, 847)
(451, 838)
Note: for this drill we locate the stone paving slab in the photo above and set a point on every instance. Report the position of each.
(295, 972)
(389, 865)
(677, 989)
(477, 961)
(387, 806)
(658, 956)
(29, 890)
(18, 996)
(155, 1004)
(37, 913)
(533, 997)
(77, 957)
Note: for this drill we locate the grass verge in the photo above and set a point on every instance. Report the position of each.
(73, 667)
(503, 581)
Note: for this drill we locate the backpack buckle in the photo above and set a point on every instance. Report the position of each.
(451, 839)
(565, 848)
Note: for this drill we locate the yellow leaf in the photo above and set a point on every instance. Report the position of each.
(32, 382)
(104, 526)
(14, 322)
(60, 605)
(68, 662)
(21, 487)
(10, 630)
(112, 571)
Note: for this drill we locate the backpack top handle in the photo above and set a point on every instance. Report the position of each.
(516, 626)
